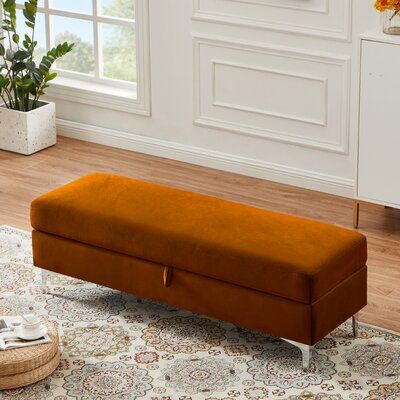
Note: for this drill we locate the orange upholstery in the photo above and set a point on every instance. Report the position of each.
(305, 323)
(297, 259)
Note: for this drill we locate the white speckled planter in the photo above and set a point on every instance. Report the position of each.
(28, 132)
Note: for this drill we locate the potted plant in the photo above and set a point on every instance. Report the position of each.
(391, 16)
(27, 124)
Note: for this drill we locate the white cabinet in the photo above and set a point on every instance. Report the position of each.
(379, 131)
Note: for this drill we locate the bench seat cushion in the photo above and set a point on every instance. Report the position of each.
(294, 258)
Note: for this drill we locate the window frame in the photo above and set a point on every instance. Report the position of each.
(98, 90)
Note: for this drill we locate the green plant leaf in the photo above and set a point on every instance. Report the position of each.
(50, 77)
(21, 55)
(8, 3)
(10, 55)
(18, 67)
(29, 16)
(4, 82)
(31, 65)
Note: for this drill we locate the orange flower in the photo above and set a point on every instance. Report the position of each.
(382, 5)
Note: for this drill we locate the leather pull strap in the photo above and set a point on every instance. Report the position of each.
(167, 276)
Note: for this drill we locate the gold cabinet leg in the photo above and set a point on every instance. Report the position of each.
(356, 214)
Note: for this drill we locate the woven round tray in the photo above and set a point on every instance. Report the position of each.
(27, 378)
(25, 359)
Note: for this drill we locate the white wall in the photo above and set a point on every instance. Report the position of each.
(267, 88)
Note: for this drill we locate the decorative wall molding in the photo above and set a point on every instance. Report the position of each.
(322, 121)
(343, 33)
(324, 9)
(205, 115)
(302, 6)
(208, 158)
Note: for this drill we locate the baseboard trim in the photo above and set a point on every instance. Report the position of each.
(207, 158)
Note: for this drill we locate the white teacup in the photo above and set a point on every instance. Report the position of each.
(31, 325)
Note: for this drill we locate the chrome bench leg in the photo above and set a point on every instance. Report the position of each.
(45, 275)
(306, 350)
(354, 320)
(306, 353)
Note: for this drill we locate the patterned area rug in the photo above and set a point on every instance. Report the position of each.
(116, 346)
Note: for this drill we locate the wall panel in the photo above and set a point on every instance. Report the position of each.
(273, 92)
(322, 18)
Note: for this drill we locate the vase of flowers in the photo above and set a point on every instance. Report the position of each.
(391, 15)
(27, 124)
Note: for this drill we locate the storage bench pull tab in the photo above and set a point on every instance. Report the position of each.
(167, 276)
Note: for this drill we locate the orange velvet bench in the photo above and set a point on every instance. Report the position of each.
(289, 277)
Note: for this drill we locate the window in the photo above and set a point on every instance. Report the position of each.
(110, 55)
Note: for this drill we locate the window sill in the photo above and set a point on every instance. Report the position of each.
(98, 95)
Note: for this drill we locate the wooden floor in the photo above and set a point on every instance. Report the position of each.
(22, 178)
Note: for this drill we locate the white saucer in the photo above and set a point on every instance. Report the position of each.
(21, 334)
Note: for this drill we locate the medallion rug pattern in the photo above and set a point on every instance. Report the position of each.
(119, 347)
